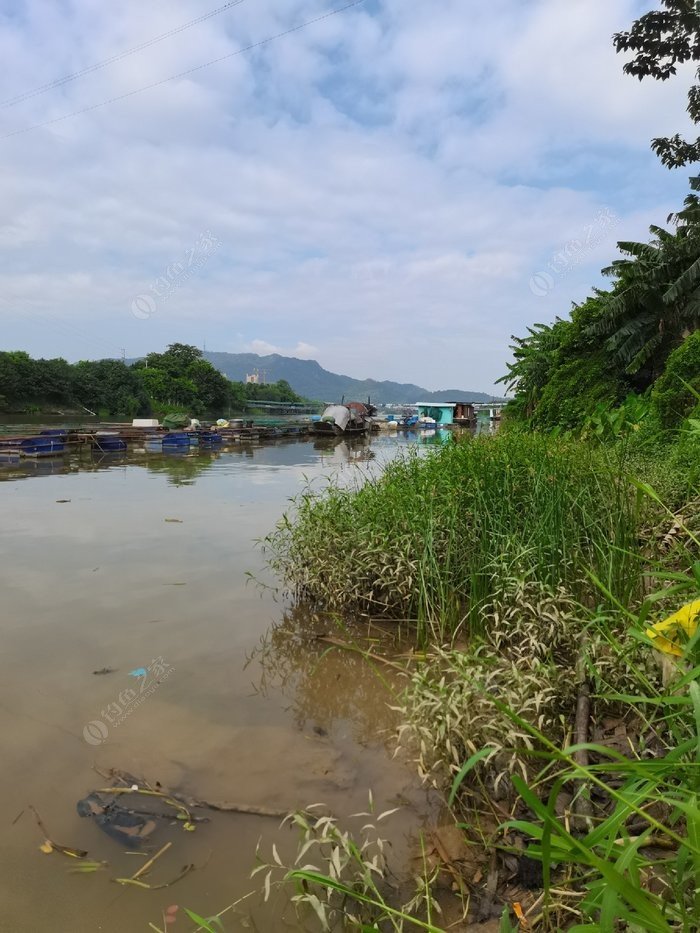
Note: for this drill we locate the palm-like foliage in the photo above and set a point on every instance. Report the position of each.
(656, 298)
(534, 359)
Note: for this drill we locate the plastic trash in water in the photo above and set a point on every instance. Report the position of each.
(123, 825)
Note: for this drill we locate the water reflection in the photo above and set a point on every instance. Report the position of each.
(355, 450)
(107, 579)
(330, 688)
(182, 468)
(430, 437)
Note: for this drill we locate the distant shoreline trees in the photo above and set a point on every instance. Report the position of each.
(179, 378)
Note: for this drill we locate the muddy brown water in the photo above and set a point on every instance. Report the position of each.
(250, 712)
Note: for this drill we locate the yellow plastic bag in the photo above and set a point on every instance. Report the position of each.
(671, 635)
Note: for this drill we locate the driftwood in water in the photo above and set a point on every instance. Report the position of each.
(126, 780)
(49, 845)
(225, 807)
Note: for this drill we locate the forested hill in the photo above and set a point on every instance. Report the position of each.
(311, 380)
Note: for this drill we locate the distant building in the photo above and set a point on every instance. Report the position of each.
(442, 413)
(256, 377)
(465, 414)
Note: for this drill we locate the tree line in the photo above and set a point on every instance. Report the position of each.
(178, 378)
(639, 337)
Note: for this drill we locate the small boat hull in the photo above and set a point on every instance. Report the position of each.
(326, 429)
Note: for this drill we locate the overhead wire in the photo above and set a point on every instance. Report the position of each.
(97, 66)
(184, 74)
(47, 317)
(56, 323)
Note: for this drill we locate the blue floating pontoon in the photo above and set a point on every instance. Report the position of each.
(176, 440)
(45, 445)
(109, 443)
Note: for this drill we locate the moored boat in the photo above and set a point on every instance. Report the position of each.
(350, 418)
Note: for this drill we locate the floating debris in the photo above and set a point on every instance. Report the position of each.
(48, 845)
(183, 803)
(106, 670)
(123, 825)
(86, 868)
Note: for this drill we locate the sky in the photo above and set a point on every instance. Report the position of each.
(392, 187)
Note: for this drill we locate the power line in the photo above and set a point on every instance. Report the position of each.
(59, 325)
(183, 74)
(90, 69)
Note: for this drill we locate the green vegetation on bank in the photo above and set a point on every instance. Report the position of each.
(530, 566)
(638, 338)
(426, 543)
(177, 378)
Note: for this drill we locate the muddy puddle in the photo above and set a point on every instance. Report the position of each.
(140, 566)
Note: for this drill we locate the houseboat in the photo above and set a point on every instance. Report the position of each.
(344, 419)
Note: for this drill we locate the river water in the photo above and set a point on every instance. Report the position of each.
(143, 565)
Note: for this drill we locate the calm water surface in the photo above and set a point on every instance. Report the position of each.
(252, 712)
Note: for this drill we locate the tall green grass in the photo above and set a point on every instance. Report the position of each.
(428, 540)
(554, 559)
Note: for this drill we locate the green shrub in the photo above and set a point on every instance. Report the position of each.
(671, 396)
(575, 390)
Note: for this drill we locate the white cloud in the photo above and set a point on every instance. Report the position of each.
(302, 350)
(383, 182)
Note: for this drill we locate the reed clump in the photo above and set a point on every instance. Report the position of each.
(536, 647)
(607, 804)
(429, 540)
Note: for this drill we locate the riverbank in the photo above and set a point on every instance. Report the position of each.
(529, 568)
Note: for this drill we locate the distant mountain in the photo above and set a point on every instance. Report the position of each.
(311, 380)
